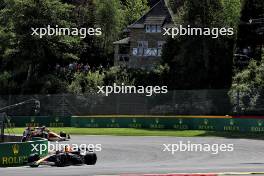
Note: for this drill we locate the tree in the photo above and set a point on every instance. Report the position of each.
(7, 85)
(198, 61)
(250, 35)
(86, 83)
(85, 17)
(134, 10)
(247, 91)
(2, 4)
(30, 56)
(110, 19)
(252, 9)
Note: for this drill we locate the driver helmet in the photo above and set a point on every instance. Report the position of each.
(67, 149)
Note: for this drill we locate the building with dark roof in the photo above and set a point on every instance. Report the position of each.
(143, 46)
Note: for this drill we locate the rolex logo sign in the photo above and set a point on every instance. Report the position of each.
(180, 121)
(157, 120)
(15, 149)
(57, 119)
(32, 119)
(232, 122)
(260, 122)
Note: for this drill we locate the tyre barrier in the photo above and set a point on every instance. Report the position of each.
(16, 153)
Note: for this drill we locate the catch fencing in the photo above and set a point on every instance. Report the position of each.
(179, 102)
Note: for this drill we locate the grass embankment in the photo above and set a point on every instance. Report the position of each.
(146, 132)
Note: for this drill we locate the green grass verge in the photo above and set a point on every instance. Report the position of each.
(119, 132)
(147, 132)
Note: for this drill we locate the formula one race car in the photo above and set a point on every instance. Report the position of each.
(63, 159)
(44, 132)
(51, 136)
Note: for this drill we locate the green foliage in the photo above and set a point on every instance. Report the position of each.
(31, 58)
(110, 19)
(29, 55)
(86, 83)
(134, 10)
(6, 83)
(209, 13)
(194, 62)
(248, 87)
(2, 4)
(118, 75)
(198, 62)
(252, 9)
(84, 15)
(89, 82)
(51, 84)
(230, 15)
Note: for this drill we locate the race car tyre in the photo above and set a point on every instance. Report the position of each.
(90, 159)
(63, 134)
(34, 165)
(76, 160)
(61, 161)
(24, 139)
(33, 157)
(45, 135)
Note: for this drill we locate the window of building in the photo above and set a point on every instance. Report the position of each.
(160, 45)
(158, 28)
(153, 29)
(141, 48)
(151, 52)
(148, 29)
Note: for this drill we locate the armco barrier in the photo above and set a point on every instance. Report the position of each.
(16, 153)
(210, 123)
(23, 121)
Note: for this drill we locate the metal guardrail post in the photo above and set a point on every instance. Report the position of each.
(2, 126)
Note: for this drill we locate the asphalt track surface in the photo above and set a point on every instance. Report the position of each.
(133, 155)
